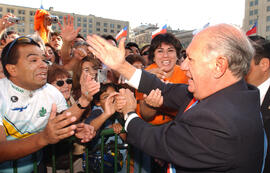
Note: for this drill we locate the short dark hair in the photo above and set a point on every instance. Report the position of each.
(56, 71)
(10, 53)
(262, 50)
(103, 88)
(80, 36)
(55, 34)
(109, 37)
(166, 38)
(133, 44)
(134, 58)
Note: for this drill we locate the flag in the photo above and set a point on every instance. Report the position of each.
(41, 6)
(161, 30)
(252, 30)
(196, 31)
(122, 33)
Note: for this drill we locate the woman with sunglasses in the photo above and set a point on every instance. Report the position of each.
(61, 79)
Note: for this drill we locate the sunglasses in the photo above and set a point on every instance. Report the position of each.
(61, 82)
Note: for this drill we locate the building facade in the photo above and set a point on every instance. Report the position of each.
(258, 10)
(89, 24)
(142, 35)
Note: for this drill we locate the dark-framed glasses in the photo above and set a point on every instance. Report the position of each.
(62, 82)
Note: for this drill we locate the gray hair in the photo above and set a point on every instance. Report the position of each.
(232, 43)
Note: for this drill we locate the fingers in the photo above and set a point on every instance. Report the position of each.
(53, 112)
(154, 98)
(63, 120)
(66, 132)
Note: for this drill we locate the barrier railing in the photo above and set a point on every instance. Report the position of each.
(105, 132)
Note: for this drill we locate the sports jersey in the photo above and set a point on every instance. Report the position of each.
(24, 113)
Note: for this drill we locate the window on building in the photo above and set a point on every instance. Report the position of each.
(32, 13)
(78, 24)
(251, 12)
(84, 20)
(90, 20)
(256, 2)
(105, 30)
(268, 37)
(21, 11)
(98, 23)
(112, 31)
(268, 8)
(84, 25)
(268, 19)
(0, 15)
(118, 26)
(84, 30)
(105, 25)
(78, 19)
(250, 22)
(251, 3)
(97, 29)
(90, 31)
(90, 25)
(9, 10)
(1, 9)
(268, 28)
(112, 25)
(255, 11)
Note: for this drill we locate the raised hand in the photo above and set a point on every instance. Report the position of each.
(154, 98)
(58, 127)
(85, 132)
(110, 55)
(4, 23)
(89, 87)
(68, 32)
(110, 107)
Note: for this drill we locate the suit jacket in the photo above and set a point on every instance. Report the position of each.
(265, 110)
(216, 135)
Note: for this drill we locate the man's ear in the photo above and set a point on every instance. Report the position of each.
(264, 64)
(220, 67)
(12, 70)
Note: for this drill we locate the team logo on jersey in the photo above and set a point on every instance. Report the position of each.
(14, 98)
(42, 112)
(19, 109)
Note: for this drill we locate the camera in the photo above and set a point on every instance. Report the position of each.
(54, 19)
(102, 75)
(13, 19)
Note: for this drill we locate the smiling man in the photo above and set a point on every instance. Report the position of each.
(28, 106)
(223, 132)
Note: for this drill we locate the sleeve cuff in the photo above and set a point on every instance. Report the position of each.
(132, 116)
(134, 81)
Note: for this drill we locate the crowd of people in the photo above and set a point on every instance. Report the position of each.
(201, 109)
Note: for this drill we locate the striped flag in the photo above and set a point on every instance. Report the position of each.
(252, 30)
(122, 33)
(161, 30)
(200, 29)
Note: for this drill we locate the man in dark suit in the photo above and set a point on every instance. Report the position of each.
(224, 131)
(259, 76)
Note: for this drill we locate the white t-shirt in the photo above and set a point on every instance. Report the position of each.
(24, 113)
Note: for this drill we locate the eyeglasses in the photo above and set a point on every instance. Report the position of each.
(145, 53)
(61, 82)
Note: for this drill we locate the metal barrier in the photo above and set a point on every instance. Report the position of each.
(105, 132)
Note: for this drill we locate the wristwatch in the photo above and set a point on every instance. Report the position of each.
(80, 106)
(128, 114)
